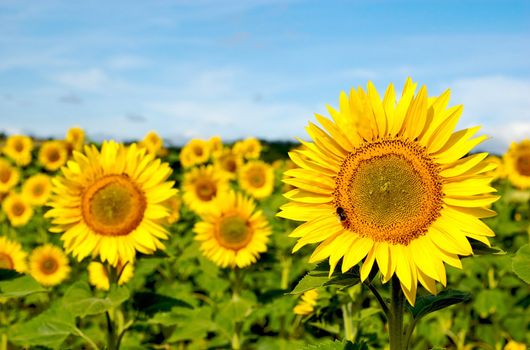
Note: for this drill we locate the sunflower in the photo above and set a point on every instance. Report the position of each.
(216, 145)
(390, 182)
(499, 172)
(9, 176)
(517, 164)
(307, 303)
(249, 148)
(233, 233)
(228, 162)
(12, 257)
(201, 186)
(195, 152)
(109, 203)
(53, 155)
(513, 345)
(173, 204)
(99, 278)
(17, 209)
(75, 138)
(37, 189)
(257, 179)
(49, 265)
(18, 148)
(153, 143)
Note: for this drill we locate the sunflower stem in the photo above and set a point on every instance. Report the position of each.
(238, 325)
(112, 331)
(395, 321)
(348, 321)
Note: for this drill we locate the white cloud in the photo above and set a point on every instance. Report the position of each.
(91, 79)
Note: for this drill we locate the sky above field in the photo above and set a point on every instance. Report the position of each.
(197, 68)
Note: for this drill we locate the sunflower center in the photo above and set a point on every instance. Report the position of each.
(49, 266)
(6, 262)
(233, 232)
(5, 175)
(230, 165)
(113, 205)
(18, 146)
(205, 190)
(53, 155)
(38, 190)
(198, 151)
(256, 177)
(389, 191)
(523, 164)
(18, 209)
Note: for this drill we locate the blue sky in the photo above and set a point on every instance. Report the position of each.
(257, 67)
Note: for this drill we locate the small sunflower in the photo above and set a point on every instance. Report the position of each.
(153, 143)
(513, 345)
(215, 144)
(173, 204)
(9, 176)
(48, 264)
(233, 233)
(499, 172)
(53, 155)
(249, 148)
(18, 148)
(195, 152)
(391, 182)
(12, 257)
(109, 203)
(257, 179)
(37, 189)
(307, 303)
(75, 138)
(201, 186)
(517, 164)
(17, 209)
(99, 278)
(228, 162)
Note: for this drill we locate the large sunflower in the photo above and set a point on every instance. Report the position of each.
(109, 203)
(9, 176)
(201, 186)
(390, 182)
(37, 189)
(49, 265)
(257, 179)
(18, 148)
(53, 154)
(12, 257)
(233, 233)
(517, 164)
(17, 209)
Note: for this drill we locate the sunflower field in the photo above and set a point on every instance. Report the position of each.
(385, 228)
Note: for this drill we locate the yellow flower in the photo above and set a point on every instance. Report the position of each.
(216, 145)
(228, 162)
(233, 233)
(17, 209)
(517, 164)
(513, 345)
(390, 182)
(307, 304)
(173, 204)
(250, 148)
(49, 265)
(9, 176)
(153, 142)
(12, 257)
(195, 152)
(201, 186)
(257, 179)
(499, 172)
(109, 203)
(53, 155)
(75, 138)
(18, 148)
(37, 189)
(99, 278)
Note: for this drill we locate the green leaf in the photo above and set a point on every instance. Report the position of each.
(8, 274)
(80, 301)
(521, 263)
(335, 345)
(237, 309)
(429, 303)
(151, 303)
(480, 248)
(20, 287)
(319, 277)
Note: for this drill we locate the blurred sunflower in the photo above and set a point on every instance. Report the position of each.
(517, 164)
(12, 257)
(37, 189)
(257, 179)
(249, 148)
(386, 182)
(215, 144)
(173, 204)
(513, 345)
(9, 176)
(17, 209)
(75, 139)
(195, 152)
(228, 162)
(499, 172)
(109, 203)
(201, 186)
(18, 148)
(233, 233)
(153, 143)
(99, 278)
(53, 155)
(307, 303)
(48, 265)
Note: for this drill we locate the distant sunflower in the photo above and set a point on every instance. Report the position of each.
(307, 303)
(201, 186)
(99, 278)
(18, 148)
(228, 162)
(153, 143)
(517, 164)
(249, 148)
(17, 209)
(499, 172)
(12, 257)
(215, 144)
(9, 176)
(173, 204)
(49, 265)
(390, 182)
(37, 189)
(75, 138)
(195, 152)
(257, 179)
(233, 233)
(109, 203)
(53, 155)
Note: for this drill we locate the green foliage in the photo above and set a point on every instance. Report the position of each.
(319, 277)
(19, 286)
(521, 263)
(427, 304)
(80, 301)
